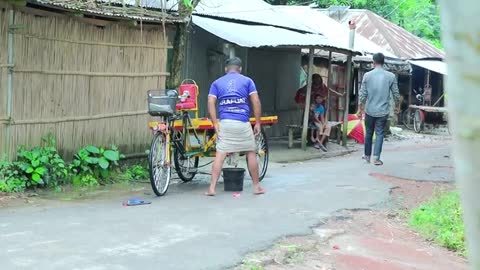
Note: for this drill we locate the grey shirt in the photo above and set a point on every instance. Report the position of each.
(378, 86)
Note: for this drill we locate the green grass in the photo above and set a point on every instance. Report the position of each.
(441, 220)
(251, 266)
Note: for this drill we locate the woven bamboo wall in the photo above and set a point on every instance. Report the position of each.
(85, 84)
(3, 73)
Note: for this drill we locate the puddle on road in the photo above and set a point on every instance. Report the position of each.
(70, 194)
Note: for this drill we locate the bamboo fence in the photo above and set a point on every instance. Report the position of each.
(84, 83)
(3, 76)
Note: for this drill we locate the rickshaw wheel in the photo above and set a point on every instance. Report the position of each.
(160, 171)
(186, 167)
(262, 154)
(418, 121)
(407, 118)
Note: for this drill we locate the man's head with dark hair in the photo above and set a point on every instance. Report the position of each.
(317, 79)
(233, 64)
(379, 59)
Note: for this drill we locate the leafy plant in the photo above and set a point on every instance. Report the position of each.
(95, 161)
(136, 172)
(42, 165)
(251, 266)
(85, 180)
(11, 178)
(441, 221)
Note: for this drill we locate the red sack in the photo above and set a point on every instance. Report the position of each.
(301, 96)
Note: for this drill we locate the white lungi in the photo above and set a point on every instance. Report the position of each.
(235, 136)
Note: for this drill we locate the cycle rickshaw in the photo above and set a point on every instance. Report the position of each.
(185, 138)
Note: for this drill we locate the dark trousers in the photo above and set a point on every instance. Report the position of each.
(376, 124)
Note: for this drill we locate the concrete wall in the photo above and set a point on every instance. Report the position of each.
(275, 72)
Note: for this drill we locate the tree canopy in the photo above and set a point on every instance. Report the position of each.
(420, 17)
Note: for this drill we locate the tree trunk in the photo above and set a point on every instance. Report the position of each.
(179, 44)
(462, 42)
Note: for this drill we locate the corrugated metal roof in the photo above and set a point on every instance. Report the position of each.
(107, 8)
(254, 36)
(388, 35)
(152, 4)
(256, 11)
(435, 66)
(333, 30)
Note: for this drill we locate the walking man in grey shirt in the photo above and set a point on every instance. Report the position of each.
(377, 85)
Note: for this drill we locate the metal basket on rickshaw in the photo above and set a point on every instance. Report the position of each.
(161, 104)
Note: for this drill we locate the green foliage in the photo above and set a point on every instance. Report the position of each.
(251, 266)
(188, 3)
(95, 161)
(11, 178)
(85, 180)
(42, 165)
(441, 220)
(136, 172)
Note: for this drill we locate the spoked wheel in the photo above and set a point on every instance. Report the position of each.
(418, 121)
(160, 171)
(407, 118)
(262, 154)
(186, 167)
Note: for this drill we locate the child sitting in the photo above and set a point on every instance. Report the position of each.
(323, 129)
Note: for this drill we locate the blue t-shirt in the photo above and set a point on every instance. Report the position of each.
(232, 92)
(319, 109)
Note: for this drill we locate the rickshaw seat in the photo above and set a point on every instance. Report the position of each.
(191, 102)
(186, 106)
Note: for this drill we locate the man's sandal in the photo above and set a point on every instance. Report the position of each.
(378, 162)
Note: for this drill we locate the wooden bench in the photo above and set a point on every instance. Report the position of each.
(293, 128)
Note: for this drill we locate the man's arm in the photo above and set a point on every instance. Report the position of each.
(212, 110)
(395, 93)
(257, 111)
(363, 94)
(212, 105)
(257, 106)
(335, 92)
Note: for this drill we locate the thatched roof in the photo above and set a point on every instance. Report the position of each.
(111, 9)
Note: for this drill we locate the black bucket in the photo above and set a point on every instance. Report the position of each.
(233, 179)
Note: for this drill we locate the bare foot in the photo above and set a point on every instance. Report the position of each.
(258, 190)
(210, 193)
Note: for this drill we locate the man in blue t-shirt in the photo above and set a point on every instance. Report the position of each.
(234, 93)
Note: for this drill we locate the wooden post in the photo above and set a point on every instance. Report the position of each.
(460, 27)
(327, 110)
(307, 99)
(348, 89)
(245, 62)
(347, 99)
(290, 137)
(410, 90)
